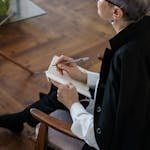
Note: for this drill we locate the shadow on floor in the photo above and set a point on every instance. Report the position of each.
(23, 141)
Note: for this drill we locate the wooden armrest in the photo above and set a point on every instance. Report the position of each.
(52, 122)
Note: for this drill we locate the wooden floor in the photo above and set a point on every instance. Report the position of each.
(70, 27)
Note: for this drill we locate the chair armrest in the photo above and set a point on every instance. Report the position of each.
(52, 122)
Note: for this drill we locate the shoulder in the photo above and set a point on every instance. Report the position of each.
(139, 45)
(133, 50)
(127, 56)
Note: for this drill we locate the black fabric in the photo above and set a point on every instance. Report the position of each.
(13, 122)
(87, 147)
(125, 99)
(47, 103)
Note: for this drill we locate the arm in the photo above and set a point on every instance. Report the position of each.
(72, 69)
(83, 124)
(82, 120)
(76, 72)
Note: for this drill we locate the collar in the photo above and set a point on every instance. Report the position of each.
(133, 31)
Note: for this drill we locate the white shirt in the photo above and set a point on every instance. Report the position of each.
(83, 124)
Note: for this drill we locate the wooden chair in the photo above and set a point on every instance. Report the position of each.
(54, 131)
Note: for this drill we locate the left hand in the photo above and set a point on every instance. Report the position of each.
(66, 94)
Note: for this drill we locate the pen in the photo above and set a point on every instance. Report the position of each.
(75, 60)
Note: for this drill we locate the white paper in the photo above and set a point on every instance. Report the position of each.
(52, 73)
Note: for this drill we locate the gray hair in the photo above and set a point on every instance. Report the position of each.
(134, 10)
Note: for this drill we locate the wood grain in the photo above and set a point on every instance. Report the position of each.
(71, 28)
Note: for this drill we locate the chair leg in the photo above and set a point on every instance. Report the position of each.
(41, 143)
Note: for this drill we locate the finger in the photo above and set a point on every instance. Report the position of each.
(67, 86)
(58, 93)
(59, 70)
(58, 63)
(71, 85)
(62, 59)
(63, 67)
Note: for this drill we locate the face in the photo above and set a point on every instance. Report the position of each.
(104, 10)
(109, 12)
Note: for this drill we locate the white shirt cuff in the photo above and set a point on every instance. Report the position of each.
(92, 79)
(76, 110)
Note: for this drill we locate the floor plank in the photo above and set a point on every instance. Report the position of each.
(72, 28)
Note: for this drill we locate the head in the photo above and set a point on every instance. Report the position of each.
(123, 10)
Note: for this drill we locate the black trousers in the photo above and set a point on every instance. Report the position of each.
(49, 103)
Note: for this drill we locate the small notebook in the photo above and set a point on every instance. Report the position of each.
(52, 73)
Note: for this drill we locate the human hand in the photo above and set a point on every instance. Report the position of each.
(66, 94)
(71, 68)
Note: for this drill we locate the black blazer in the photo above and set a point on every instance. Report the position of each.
(123, 121)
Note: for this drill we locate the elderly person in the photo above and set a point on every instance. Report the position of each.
(119, 119)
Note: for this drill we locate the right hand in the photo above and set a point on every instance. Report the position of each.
(71, 68)
(66, 94)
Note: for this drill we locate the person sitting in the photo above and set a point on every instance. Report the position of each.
(119, 116)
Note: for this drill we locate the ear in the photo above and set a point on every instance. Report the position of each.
(117, 13)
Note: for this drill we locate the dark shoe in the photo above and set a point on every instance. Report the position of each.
(12, 122)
